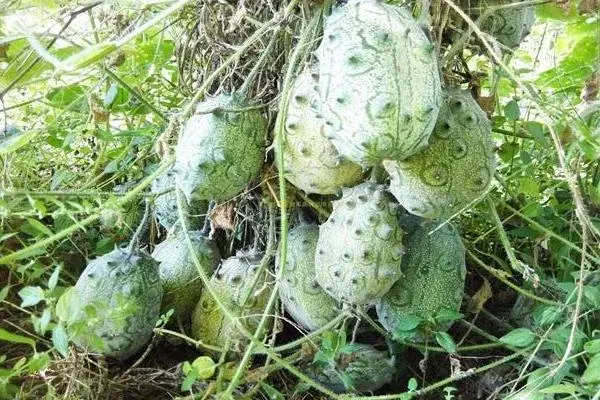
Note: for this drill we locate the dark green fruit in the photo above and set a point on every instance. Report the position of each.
(455, 169)
(433, 282)
(221, 149)
(115, 304)
(360, 246)
(364, 368)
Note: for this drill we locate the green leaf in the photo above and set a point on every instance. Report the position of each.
(408, 323)
(4, 292)
(88, 56)
(529, 187)
(11, 143)
(204, 366)
(446, 341)
(520, 337)
(591, 375)
(39, 227)
(563, 388)
(53, 280)
(271, 392)
(189, 380)
(72, 97)
(511, 110)
(60, 340)
(31, 295)
(412, 384)
(447, 315)
(592, 347)
(7, 336)
(37, 362)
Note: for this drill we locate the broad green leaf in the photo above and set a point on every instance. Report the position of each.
(529, 187)
(412, 384)
(72, 97)
(591, 375)
(271, 392)
(39, 227)
(408, 323)
(60, 340)
(7, 336)
(446, 341)
(520, 337)
(37, 362)
(592, 347)
(563, 388)
(511, 110)
(31, 295)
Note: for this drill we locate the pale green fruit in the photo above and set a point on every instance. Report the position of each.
(311, 163)
(379, 82)
(360, 246)
(299, 291)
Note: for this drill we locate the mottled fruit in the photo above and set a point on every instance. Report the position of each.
(115, 303)
(244, 290)
(455, 169)
(360, 246)
(433, 282)
(362, 367)
(299, 291)
(179, 276)
(311, 163)
(221, 149)
(379, 82)
(165, 204)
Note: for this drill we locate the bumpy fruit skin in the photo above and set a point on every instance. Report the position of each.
(233, 284)
(360, 246)
(311, 163)
(125, 293)
(455, 169)
(368, 369)
(220, 151)
(299, 291)
(178, 274)
(165, 205)
(379, 82)
(510, 25)
(434, 277)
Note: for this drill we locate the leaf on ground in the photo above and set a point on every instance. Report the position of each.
(480, 297)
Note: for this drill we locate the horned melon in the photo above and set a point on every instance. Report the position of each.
(178, 274)
(510, 25)
(221, 149)
(165, 204)
(434, 279)
(311, 163)
(299, 291)
(455, 169)
(360, 246)
(364, 369)
(243, 288)
(379, 82)
(116, 303)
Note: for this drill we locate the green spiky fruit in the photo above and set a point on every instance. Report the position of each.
(362, 367)
(178, 274)
(165, 204)
(221, 149)
(433, 282)
(243, 288)
(455, 169)
(311, 163)
(510, 25)
(116, 303)
(379, 82)
(299, 291)
(360, 246)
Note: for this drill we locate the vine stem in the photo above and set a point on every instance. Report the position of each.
(135, 192)
(279, 124)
